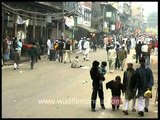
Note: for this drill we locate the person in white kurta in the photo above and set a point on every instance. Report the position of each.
(87, 49)
(48, 46)
(111, 58)
(80, 45)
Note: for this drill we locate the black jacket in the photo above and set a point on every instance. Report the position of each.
(144, 80)
(61, 45)
(129, 84)
(95, 75)
(115, 88)
(67, 46)
(138, 48)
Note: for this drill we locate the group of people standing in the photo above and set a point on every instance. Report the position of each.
(117, 54)
(145, 49)
(11, 49)
(9, 46)
(135, 84)
(57, 48)
(84, 47)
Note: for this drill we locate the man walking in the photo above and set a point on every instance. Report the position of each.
(33, 54)
(128, 45)
(128, 85)
(86, 51)
(138, 51)
(144, 81)
(122, 54)
(68, 50)
(111, 58)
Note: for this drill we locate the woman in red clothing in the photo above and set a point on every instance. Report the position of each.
(156, 47)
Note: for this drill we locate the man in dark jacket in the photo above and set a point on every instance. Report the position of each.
(39, 51)
(60, 49)
(144, 81)
(128, 85)
(128, 44)
(96, 76)
(68, 51)
(138, 50)
(33, 54)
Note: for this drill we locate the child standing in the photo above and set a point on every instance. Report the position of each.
(116, 87)
(102, 70)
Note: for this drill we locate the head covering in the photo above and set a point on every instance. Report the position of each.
(88, 39)
(129, 61)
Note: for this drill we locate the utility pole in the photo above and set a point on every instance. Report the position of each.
(103, 15)
(63, 21)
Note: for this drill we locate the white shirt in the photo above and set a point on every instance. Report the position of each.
(75, 63)
(86, 45)
(144, 48)
(49, 43)
(79, 44)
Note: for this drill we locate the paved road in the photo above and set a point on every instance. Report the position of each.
(67, 90)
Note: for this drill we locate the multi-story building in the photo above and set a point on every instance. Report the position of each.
(84, 20)
(40, 17)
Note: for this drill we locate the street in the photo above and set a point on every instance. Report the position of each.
(55, 90)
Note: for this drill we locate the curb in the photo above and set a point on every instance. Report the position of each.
(11, 62)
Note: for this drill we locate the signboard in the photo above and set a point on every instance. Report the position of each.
(108, 14)
(69, 21)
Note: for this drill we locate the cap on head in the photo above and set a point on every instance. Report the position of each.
(129, 62)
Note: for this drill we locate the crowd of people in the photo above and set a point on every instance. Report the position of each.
(117, 48)
(135, 82)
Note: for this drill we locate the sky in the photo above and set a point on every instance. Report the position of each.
(148, 7)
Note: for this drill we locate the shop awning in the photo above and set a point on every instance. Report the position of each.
(87, 28)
